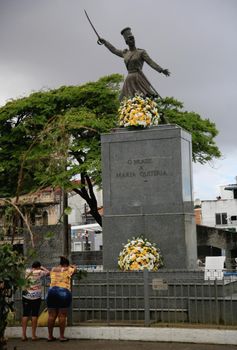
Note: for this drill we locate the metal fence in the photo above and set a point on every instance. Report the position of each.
(145, 298)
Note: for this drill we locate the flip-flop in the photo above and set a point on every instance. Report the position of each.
(63, 339)
(52, 339)
(24, 339)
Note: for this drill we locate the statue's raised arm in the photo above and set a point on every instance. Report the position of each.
(111, 48)
(135, 82)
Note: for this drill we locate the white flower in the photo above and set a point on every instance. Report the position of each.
(139, 254)
(138, 111)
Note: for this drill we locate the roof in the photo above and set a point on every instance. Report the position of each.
(231, 187)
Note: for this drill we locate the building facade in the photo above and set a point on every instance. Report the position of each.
(217, 225)
(43, 210)
(80, 212)
(221, 212)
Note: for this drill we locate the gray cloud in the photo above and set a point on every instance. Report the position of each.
(49, 43)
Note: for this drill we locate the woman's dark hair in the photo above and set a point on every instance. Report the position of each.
(36, 265)
(64, 261)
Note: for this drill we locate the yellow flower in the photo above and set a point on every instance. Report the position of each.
(134, 266)
(139, 254)
(138, 111)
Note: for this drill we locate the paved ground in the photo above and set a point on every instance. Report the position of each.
(42, 344)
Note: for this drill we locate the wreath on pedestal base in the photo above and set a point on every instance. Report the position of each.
(139, 254)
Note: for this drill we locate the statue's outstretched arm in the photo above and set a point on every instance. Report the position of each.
(111, 48)
(153, 64)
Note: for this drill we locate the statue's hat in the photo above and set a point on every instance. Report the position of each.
(126, 32)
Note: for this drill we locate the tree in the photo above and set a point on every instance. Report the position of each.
(50, 137)
(12, 266)
(203, 131)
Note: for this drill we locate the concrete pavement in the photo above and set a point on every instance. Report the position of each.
(75, 344)
(196, 335)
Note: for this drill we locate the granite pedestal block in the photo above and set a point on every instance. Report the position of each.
(147, 190)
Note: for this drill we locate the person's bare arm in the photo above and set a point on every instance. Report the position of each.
(74, 268)
(46, 271)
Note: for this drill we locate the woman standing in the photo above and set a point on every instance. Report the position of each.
(135, 82)
(31, 297)
(59, 296)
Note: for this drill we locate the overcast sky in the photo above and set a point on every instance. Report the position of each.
(49, 43)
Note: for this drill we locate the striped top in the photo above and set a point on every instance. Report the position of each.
(34, 290)
(61, 277)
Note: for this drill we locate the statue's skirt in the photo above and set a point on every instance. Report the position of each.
(137, 83)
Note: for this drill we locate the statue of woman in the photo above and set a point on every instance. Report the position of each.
(135, 82)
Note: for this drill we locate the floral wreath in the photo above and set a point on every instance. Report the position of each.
(139, 254)
(138, 111)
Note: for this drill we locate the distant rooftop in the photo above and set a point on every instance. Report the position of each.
(231, 187)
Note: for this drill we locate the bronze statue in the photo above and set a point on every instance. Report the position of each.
(135, 82)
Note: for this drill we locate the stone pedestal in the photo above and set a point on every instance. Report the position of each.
(147, 190)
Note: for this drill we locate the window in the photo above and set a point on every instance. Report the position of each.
(233, 218)
(45, 218)
(221, 218)
(77, 247)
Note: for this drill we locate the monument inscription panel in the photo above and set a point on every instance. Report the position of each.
(141, 179)
(143, 167)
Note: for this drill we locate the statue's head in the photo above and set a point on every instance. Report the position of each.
(128, 36)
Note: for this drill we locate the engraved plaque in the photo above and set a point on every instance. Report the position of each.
(159, 284)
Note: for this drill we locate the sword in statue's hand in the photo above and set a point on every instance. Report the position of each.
(99, 38)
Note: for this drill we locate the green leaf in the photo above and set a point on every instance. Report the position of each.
(68, 210)
(48, 235)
